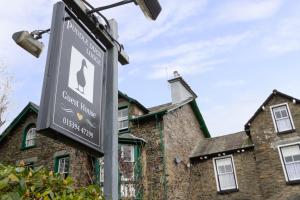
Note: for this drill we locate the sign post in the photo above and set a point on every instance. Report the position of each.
(79, 102)
(111, 171)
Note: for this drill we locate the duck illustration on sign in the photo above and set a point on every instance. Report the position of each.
(81, 75)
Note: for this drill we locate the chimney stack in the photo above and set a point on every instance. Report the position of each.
(180, 90)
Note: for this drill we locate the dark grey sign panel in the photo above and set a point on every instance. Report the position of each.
(73, 84)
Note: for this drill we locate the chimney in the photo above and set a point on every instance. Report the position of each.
(180, 90)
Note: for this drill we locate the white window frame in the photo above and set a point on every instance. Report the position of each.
(31, 132)
(282, 161)
(122, 119)
(289, 113)
(217, 175)
(64, 170)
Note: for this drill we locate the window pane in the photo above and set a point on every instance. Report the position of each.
(290, 150)
(228, 168)
(227, 181)
(293, 171)
(284, 124)
(221, 169)
(284, 113)
(101, 166)
(277, 115)
(296, 157)
(127, 190)
(288, 159)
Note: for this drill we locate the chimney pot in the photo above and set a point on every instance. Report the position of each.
(176, 74)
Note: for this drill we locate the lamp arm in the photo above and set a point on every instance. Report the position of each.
(111, 6)
(37, 34)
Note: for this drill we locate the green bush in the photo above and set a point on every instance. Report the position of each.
(40, 184)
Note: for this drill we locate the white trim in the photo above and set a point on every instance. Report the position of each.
(281, 159)
(289, 112)
(216, 173)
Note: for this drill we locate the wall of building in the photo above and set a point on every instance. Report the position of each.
(153, 159)
(181, 134)
(266, 140)
(203, 181)
(45, 152)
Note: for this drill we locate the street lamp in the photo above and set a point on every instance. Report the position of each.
(29, 41)
(150, 8)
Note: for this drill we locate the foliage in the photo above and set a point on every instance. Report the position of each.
(40, 184)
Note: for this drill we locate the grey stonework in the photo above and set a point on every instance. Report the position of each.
(269, 167)
(169, 135)
(44, 153)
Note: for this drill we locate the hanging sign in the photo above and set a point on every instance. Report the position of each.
(73, 84)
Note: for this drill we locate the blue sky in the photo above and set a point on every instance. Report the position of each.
(233, 53)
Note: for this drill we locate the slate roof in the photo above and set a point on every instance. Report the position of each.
(226, 143)
(132, 100)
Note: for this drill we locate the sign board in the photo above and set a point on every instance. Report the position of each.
(73, 83)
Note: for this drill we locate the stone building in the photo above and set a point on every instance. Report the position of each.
(154, 146)
(261, 162)
(166, 152)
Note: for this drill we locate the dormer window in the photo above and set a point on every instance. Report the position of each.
(282, 118)
(123, 118)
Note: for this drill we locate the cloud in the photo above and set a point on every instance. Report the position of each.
(230, 83)
(137, 29)
(246, 10)
(284, 38)
(193, 57)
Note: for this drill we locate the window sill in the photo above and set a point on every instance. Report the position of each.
(123, 130)
(286, 132)
(295, 182)
(26, 148)
(228, 191)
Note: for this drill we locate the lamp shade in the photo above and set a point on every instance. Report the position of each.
(150, 8)
(25, 40)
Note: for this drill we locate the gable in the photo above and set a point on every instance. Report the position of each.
(31, 107)
(274, 99)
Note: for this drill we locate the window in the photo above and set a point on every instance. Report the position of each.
(282, 118)
(123, 118)
(290, 159)
(62, 165)
(29, 137)
(225, 174)
(127, 167)
(101, 171)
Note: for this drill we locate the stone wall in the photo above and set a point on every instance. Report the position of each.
(270, 172)
(203, 181)
(152, 158)
(45, 152)
(181, 134)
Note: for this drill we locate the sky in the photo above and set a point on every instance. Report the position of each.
(232, 53)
